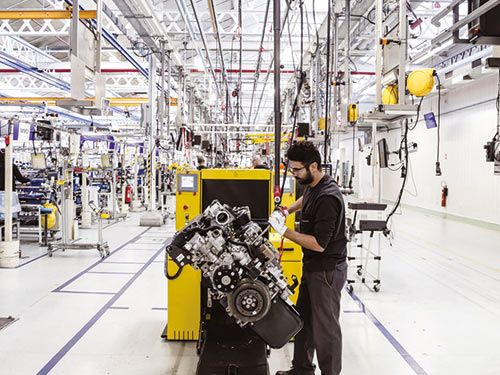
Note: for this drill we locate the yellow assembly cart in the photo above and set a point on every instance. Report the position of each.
(235, 187)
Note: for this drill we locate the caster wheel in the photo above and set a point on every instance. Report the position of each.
(359, 271)
(350, 288)
(376, 288)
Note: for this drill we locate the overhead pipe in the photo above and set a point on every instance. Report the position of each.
(246, 71)
(34, 72)
(68, 70)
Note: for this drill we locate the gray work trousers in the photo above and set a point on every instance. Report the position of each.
(319, 306)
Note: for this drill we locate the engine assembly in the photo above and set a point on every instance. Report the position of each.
(242, 268)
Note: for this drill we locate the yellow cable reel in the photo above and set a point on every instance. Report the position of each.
(390, 95)
(49, 221)
(420, 82)
(353, 113)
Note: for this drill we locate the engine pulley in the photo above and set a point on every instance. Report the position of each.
(250, 301)
(225, 279)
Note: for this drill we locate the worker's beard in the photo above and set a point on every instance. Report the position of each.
(306, 180)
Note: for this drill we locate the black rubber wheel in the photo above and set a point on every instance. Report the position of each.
(376, 288)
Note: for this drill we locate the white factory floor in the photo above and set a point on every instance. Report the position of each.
(438, 311)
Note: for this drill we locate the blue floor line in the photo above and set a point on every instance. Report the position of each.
(85, 292)
(111, 273)
(392, 340)
(72, 342)
(65, 284)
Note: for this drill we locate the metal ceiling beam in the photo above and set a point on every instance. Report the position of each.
(26, 14)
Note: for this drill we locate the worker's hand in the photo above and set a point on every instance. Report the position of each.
(277, 222)
(284, 211)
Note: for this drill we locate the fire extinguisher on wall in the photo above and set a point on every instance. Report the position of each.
(444, 194)
(128, 194)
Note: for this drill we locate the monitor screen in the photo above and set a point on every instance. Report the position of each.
(197, 140)
(187, 182)
(38, 161)
(383, 153)
(251, 193)
(205, 145)
(303, 129)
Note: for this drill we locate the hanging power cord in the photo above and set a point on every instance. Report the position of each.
(315, 27)
(404, 172)
(438, 164)
(403, 165)
(364, 17)
(259, 59)
(328, 83)
(301, 77)
(269, 69)
(175, 275)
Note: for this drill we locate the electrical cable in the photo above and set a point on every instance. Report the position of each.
(410, 170)
(315, 27)
(418, 114)
(290, 42)
(364, 17)
(497, 135)
(175, 275)
(221, 52)
(328, 84)
(259, 59)
(269, 69)
(405, 175)
(295, 108)
(438, 164)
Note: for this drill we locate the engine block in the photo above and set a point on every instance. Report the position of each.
(242, 267)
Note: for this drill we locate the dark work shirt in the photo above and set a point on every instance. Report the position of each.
(323, 216)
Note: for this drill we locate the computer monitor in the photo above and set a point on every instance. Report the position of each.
(38, 161)
(383, 153)
(197, 140)
(44, 133)
(303, 129)
(105, 161)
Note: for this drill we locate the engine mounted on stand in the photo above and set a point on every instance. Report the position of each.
(241, 270)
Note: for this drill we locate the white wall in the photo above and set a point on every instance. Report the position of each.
(474, 191)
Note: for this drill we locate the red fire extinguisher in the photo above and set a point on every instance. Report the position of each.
(444, 194)
(128, 194)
